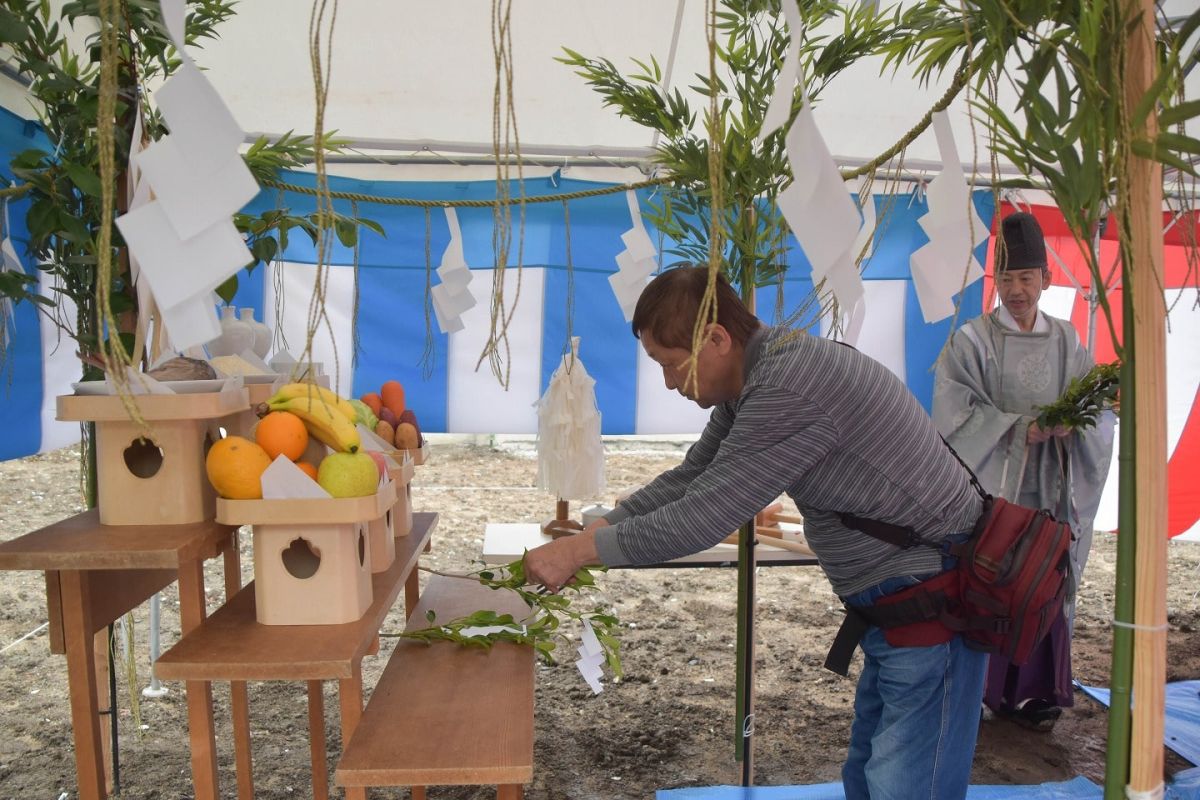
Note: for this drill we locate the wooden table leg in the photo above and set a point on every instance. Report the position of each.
(81, 672)
(238, 699)
(412, 591)
(316, 740)
(104, 699)
(199, 693)
(350, 699)
(510, 791)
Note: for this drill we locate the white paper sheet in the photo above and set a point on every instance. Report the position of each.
(177, 269)
(195, 199)
(191, 323)
(199, 120)
(283, 480)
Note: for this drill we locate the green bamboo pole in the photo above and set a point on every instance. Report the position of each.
(1116, 765)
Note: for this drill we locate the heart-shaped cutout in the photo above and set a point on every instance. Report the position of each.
(301, 559)
(143, 458)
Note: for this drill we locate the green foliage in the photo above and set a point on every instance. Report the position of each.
(541, 628)
(1066, 62)
(1084, 400)
(63, 182)
(750, 48)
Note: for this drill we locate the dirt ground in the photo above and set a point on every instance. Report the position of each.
(667, 724)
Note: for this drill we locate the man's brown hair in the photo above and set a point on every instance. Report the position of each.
(669, 305)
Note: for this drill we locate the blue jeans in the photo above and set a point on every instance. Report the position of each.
(916, 715)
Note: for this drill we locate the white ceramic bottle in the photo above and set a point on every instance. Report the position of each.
(262, 334)
(236, 336)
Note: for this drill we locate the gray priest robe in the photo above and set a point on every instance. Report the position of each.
(988, 387)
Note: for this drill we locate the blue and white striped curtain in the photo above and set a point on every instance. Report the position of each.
(389, 318)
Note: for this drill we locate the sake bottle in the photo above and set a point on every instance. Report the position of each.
(262, 334)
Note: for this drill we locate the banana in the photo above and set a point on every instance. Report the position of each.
(323, 421)
(324, 396)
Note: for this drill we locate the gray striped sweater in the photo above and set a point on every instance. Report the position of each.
(835, 431)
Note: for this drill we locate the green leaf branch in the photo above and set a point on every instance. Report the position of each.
(1084, 400)
(542, 628)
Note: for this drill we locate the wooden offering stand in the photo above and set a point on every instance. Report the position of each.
(312, 561)
(160, 480)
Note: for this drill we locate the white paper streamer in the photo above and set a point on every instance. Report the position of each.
(591, 658)
(183, 241)
(947, 263)
(816, 204)
(779, 109)
(452, 297)
(636, 263)
(9, 262)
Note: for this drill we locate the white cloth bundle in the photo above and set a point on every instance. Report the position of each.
(570, 452)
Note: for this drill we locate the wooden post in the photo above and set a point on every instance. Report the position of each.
(1144, 206)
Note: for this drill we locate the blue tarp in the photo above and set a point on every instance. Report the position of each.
(1182, 729)
(1077, 788)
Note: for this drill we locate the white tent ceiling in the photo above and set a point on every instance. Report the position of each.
(407, 73)
(425, 71)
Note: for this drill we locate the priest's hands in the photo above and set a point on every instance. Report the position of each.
(554, 564)
(1036, 435)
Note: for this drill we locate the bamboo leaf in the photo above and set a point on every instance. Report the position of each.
(1175, 115)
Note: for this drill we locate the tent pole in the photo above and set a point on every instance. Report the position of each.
(743, 735)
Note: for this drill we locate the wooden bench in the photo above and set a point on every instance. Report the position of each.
(446, 714)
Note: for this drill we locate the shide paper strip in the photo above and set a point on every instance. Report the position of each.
(591, 657)
(945, 265)
(184, 241)
(635, 263)
(452, 297)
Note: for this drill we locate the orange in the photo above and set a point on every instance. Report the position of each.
(282, 433)
(235, 467)
(308, 469)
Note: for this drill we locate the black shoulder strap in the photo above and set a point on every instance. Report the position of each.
(974, 480)
(897, 535)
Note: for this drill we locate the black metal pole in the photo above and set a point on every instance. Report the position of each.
(112, 712)
(744, 718)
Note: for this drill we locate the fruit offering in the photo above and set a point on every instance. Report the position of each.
(348, 474)
(308, 469)
(327, 416)
(395, 422)
(235, 466)
(366, 417)
(281, 433)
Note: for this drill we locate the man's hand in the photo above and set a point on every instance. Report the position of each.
(1037, 435)
(553, 565)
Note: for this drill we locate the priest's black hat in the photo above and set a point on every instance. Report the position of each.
(1022, 245)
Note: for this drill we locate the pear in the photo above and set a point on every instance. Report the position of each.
(348, 474)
